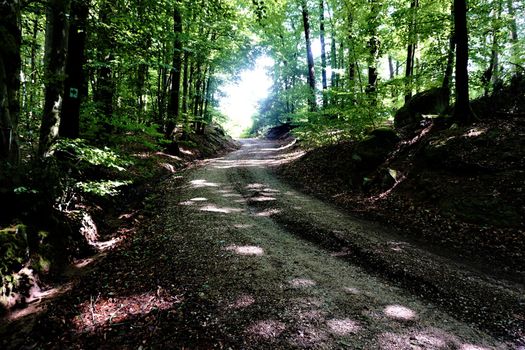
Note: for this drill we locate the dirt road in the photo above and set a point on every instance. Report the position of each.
(221, 266)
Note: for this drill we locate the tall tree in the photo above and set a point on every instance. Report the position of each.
(75, 83)
(57, 30)
(411, 49)
(323, 52)
(174, 101)
(373, 47)
(105, 85)
(447, 79)
(513, 35)
(312, 103)
(491, 74)
(462, 112)
(10, 62)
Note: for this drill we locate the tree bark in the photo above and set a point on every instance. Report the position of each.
(411, 49)
(57, 30)
(174, 101)
(32, 74)
(373, 46)
(391, 67)
(75, 84)
(333, 61)
(513, 35)
(462, 112)
(450, 59)
(185, 89)
(310, 57)
(105, 87)
(10, 63)
(323, 52)
(490, 76)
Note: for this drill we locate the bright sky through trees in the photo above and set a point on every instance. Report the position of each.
(241, 98)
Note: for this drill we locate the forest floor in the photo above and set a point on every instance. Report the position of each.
(457, 189)
(227, 255)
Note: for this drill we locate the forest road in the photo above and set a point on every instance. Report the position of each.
(265, 286)
(226, 260)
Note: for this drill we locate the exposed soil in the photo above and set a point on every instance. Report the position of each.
(226, 257)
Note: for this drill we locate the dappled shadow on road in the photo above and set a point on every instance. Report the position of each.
(212, 269)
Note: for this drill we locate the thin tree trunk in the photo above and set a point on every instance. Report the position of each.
(392, 76)
(105, 87)
(351, 56)
(10, 63)
(341, 62)
(174, 102)
(462, 113)
(191, 85)
(75, 84)
(450, 59)
(32, 74)
(333, 61)
(490, 76)
(310, 57)
(57, 28)
(391, 67)
(185, 89)
(411, 49)
(513, 36)
(323, 52)
(373, 46)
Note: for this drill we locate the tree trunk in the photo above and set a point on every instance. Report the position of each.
(391, 67)
(32, 74)
(351, 56)
(490, 76)
(323, 52)
(10, 63)
(373, 46)
(310, 58)
(411, 49)
(450, 59)
(75, 84)
(462, 113)
(57, 28)
(333, 61)
(174, 102)
(185, 90)
(513, 36)
(105, 87)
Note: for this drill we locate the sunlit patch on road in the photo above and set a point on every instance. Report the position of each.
(399, 312)
(343, 327)
(246, 250)
(473, 347)
(203, 183)
(268, 213)
(262, 199)
(240, 226)
(266, 329)
(224, 210)
(302, 283)
(199, 199)
(352, 290)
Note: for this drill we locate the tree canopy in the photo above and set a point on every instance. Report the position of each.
(99, 68)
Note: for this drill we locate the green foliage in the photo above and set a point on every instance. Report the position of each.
(102, 188)
(80, 152)
(14, 252)
(13, 248)
(334, 124)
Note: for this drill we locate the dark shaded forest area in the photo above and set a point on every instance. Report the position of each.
(409, 114)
